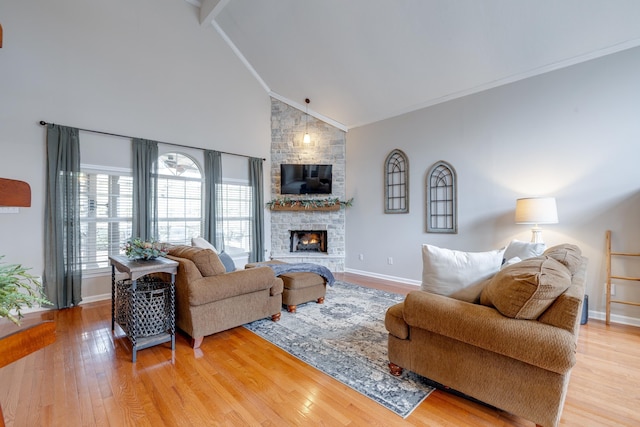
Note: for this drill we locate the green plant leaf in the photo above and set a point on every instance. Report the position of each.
(18, 289)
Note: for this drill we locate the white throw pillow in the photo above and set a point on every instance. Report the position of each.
(510, 261)
(199, 242)
(524, 250)
(447, 271)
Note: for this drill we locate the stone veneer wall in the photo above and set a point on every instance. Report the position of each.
(328, 146)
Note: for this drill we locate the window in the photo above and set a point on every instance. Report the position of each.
(442, 215)
(237, 218)
(106, 208)
(179, 199)
(105, 214)
(396, 183)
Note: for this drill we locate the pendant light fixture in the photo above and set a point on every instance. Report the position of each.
(306, 139)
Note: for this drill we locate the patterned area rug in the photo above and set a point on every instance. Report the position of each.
(345, 338)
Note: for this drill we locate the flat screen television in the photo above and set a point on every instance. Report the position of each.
(305, 179)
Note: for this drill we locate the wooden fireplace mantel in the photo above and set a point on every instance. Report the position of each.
(299, 207)
(14, 193)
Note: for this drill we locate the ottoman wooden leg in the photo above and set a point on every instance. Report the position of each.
(395, 369)
(292, 308)
(320, 300)
(276, 316)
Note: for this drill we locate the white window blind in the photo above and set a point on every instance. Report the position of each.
(237, 217)
(106, 208)
(105, 215)
(179, 199)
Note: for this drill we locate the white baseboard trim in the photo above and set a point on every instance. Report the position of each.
(384, 277)
(95, 298)
(28, 310)
(615, 318)
(85, 300)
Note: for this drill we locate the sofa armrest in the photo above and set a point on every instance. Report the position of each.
(215, 288)
(529, 341)
(394, 321)
(277, 288)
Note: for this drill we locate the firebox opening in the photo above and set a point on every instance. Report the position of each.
(308, 241)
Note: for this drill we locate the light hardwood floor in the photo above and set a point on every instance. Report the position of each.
(86, 378)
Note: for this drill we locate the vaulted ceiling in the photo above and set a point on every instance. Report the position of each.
(361, 61)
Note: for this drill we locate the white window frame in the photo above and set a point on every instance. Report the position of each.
(186, 219)
(228, 237)
(112, 172)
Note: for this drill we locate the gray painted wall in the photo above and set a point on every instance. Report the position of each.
(573, 134)
(143, 68)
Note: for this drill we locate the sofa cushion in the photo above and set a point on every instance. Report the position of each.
(567, 254)
(471, 293)
(447, 271)
(526, 289)
(523, 250)
(228, 263)
(206, 260)
(199, 242)
(216, 288)
(566, 310)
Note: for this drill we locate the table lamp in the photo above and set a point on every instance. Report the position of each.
(536, 210)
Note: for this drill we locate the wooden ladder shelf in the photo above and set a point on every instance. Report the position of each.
(610, 276)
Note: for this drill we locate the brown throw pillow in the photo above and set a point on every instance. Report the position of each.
(526, 289)
(569, 255)
(206, 260)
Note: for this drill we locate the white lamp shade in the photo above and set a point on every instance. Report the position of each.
(536, 210)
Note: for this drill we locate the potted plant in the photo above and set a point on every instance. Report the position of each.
(18, 289)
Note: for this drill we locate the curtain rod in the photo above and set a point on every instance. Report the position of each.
(43, 123)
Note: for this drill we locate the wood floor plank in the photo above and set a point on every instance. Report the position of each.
(86, 378)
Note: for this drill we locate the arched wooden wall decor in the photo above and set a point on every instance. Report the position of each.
(396, 183)
(14, 193)
(442, 206)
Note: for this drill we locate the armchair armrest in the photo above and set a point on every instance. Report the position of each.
(214, 288)
(529, 341)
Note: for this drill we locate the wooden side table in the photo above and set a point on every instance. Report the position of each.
(135, 270)
(23, 342)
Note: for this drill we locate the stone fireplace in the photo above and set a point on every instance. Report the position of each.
(327, 146)
(308, 241)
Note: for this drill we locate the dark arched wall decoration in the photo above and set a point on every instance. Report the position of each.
(396, 183)
(442, 207)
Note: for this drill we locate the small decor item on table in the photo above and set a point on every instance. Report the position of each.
(138, 249)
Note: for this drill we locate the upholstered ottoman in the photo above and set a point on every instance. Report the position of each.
(299, 288)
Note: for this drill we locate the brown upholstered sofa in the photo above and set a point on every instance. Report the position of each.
(514, 349)
(210, 300)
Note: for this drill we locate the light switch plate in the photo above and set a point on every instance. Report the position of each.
(9, 209)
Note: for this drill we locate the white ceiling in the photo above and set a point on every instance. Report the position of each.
(360, 61)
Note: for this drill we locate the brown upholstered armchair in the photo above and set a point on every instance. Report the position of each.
(210, 300)
(514, 349)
